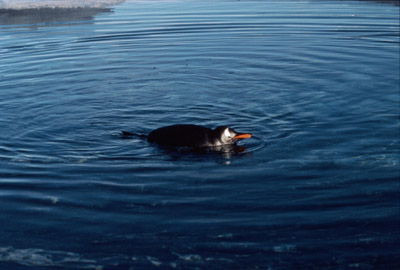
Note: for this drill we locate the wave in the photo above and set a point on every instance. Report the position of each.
(38, 4)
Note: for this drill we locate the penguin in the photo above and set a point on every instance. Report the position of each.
(192, 136)
(195, 136)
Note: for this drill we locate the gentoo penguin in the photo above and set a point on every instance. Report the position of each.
(195, 136)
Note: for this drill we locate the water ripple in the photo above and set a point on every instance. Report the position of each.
(315, 82)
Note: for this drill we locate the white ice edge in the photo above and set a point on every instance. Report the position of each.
(36, 4)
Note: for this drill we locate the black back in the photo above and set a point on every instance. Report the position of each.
(181, 135)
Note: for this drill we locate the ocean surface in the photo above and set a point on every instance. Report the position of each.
(316, 187)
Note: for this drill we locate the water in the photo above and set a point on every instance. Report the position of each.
(316, 82)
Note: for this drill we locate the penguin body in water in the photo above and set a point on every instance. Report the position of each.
(194, 136)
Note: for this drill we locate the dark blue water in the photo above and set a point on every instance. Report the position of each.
(317, 187)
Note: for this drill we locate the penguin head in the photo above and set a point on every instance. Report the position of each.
(226, 135)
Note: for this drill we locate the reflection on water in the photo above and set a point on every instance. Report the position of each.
(225, 151)
(42, 17)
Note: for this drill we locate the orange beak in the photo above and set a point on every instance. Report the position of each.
(242, 136)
